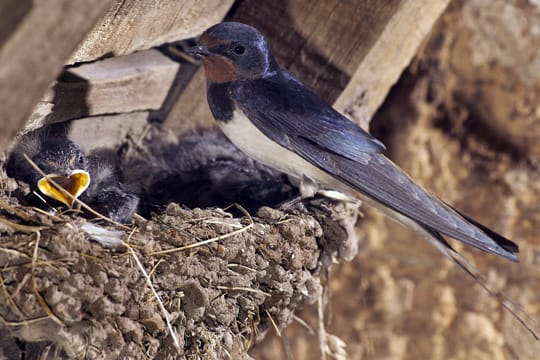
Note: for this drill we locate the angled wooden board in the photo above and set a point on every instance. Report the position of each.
(37, 38)
(131, 25)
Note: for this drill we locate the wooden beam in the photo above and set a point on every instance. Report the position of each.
(388, 56)
(191, 111)
(107, 131)
(12, 12)
(36, 45)
(132, 25)
(122, 84)
(140, 81)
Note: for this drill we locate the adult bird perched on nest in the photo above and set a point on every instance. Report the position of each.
(93, 179)
(274, 118)
(270, 115)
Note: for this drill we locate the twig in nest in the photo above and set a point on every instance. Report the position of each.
(322, 330)
(14, 252)
(328, 343)
(231, 265)
(15, 307)
(304, 324)
(253, 331)
(211, 240)
(141, 137)
(157, 219)
(21, 227)
(14, 211)
(52, 216)
(156, 295)
(29, 264)
(24, 322)
(21, 284)
(219, 222)
(70, 196)
(240, 288)
(273, 322)
(154, 268)
(40, 299)
(204, 242)
(285, 220)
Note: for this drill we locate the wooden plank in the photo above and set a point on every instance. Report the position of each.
(34, 52)
(12, 12)
(132, 25)
(332, 46)
(107, 131)
(191, 110)
(386, 59)
(122, 84)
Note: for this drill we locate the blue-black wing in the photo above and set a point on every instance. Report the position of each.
(301, 114)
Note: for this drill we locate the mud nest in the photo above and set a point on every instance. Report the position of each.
(221, 278)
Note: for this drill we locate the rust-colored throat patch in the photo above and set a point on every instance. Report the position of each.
(75, 184)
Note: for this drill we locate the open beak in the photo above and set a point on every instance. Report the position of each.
(200, 50)
(75, 184)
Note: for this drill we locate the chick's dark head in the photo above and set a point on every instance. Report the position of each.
(66, 165)
(60, 156)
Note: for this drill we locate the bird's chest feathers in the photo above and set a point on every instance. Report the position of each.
(248, 138)
(220, 101)
(219, 69)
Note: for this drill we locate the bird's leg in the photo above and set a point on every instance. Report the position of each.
(309, 189)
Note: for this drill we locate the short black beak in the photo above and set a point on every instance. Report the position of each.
(200, 50)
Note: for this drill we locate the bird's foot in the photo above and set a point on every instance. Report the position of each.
(296, 203)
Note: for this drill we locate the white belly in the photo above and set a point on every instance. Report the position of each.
(258, 146)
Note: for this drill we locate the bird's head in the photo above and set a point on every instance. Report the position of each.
(233, 51)
(60, 156)
(65, 163)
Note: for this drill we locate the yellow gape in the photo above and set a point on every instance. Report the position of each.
(75, 184)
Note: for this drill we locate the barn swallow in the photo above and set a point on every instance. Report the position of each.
(93, 179)
(274, 118)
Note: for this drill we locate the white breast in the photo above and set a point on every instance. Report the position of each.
(258, 146)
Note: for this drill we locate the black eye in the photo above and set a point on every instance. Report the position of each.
(239, 50)
(81, 159)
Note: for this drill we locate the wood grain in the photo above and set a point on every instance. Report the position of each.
(122, 84)
(385, 60)
(107, 131)
(36, 44)
(132, 25)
